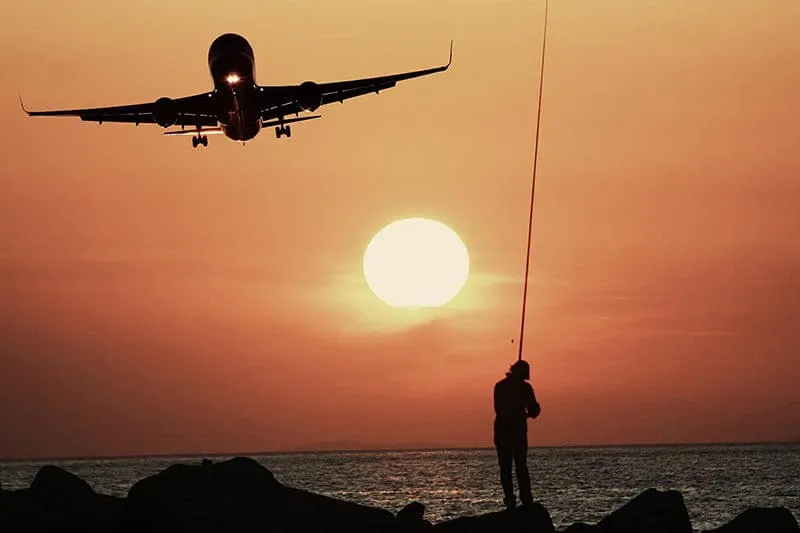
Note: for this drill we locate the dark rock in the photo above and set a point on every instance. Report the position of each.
(21, 512)
(59, 501)
(306, 512)
(231, 495)
(72, 503)
(652, 511)
(412, 517)
(526, 519)
(239, 495)
(414, 511)
(761, 519)
(57, 489)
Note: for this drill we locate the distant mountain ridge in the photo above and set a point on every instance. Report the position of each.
(352, 445)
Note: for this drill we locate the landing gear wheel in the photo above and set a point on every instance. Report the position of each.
(278, 132)
(288, 131)
(195, 142)
(204, 140)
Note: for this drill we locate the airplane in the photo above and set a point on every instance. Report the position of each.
(237, 106)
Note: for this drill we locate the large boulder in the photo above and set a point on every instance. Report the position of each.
(413, 512)
(761, 519)
(59, 501)
(21, 512)
(240, 495)
(526, 519)
(72, 503)
(412, 517)
(307, 512)
(57, 488)
(652, 511)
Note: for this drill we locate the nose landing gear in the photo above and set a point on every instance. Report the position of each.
(283, 130)
(198, 140)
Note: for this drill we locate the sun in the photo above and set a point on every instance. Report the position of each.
(416, 262)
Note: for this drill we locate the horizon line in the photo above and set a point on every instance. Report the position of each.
(301, 450)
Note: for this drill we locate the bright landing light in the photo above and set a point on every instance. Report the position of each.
(416, 262)
(232, 78)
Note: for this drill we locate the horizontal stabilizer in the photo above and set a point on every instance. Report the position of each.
(201, 131)
(288, 121)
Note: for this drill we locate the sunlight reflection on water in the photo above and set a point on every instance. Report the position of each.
(575, 484)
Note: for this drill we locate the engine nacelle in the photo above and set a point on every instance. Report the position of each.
(309, 96)
(164, 112)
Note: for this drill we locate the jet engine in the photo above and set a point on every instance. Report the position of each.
(164, 112)
(309, 96)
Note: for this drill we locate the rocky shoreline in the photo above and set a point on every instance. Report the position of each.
(240, 495)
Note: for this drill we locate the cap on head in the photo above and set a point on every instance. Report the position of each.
(521, 369)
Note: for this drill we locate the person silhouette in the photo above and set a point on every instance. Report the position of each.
(514, 402)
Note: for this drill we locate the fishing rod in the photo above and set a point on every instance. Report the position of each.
(533, 185)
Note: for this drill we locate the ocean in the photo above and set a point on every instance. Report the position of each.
(574, 483)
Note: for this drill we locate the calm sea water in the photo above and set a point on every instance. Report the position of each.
(575, 484)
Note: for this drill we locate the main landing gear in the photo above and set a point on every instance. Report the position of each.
(199, 139)
(283, 130)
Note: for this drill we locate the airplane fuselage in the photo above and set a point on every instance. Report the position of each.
(232, 65)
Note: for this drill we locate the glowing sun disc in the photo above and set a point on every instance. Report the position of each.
(416, 262)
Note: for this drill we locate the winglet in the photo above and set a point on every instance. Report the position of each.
(449, 61)
(21, 104)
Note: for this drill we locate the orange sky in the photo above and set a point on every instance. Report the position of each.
(160, 299)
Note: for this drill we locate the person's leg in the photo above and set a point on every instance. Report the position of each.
(521, 465)
(505, 457)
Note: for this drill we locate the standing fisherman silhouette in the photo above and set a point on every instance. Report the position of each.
(514, 402)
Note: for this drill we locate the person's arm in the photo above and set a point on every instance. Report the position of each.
(532, 406)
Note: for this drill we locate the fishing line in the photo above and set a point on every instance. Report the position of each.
(533, 185)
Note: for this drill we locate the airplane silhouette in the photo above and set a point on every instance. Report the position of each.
(237, 106)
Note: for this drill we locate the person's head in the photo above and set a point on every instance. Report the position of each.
(520, 370)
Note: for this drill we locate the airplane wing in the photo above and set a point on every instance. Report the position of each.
(280, 101)
(196, 110)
